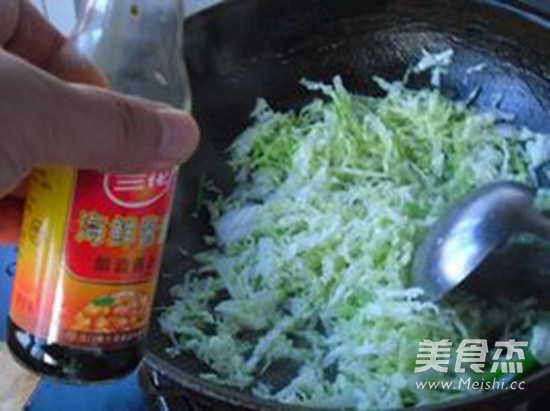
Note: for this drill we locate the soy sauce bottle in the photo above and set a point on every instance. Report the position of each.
(91, 243)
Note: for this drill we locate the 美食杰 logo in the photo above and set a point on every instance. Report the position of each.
(470, 362)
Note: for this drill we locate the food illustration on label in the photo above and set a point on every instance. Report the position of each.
(123, 311)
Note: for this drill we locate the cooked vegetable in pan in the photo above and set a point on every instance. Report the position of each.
(311, 263)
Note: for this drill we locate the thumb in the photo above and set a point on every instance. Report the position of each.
(46, 121)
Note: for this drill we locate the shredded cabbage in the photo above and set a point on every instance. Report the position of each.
(311, 265)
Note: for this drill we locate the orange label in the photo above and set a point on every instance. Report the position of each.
(90, 250)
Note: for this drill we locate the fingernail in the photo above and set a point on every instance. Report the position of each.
(180, 135)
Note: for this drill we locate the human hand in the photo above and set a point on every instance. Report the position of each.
(46, 120)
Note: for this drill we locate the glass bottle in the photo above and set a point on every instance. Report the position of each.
(91, 243)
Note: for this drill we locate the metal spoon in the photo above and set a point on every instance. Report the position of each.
(464, 237)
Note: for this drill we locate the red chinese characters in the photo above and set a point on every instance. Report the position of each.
(118, 239)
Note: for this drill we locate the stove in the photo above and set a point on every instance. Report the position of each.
(164, 395)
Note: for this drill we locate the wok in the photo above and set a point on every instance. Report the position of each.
(245, 49)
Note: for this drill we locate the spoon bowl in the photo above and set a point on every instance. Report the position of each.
(466, 235)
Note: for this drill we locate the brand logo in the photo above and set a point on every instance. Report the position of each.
(137, 190)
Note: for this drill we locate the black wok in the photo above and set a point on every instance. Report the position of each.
(245, 49)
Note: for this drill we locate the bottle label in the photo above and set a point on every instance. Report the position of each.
(90, 249)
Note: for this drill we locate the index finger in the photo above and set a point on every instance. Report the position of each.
(26, 33)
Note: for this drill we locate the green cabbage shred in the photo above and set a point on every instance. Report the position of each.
(311, 268)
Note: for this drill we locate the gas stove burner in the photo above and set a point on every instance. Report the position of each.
(164, 395)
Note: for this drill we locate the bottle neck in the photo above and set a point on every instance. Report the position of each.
(138, 44)
(143, 14)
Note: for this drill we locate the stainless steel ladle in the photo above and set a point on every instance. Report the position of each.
(464, 237)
